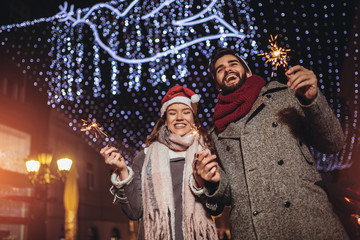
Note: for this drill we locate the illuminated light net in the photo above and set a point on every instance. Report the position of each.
(112, 63)
(160, 34)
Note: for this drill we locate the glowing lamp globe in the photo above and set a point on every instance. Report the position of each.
(64, 164)
(32, 165)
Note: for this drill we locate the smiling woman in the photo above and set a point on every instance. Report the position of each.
(179, 119)
(159, 188)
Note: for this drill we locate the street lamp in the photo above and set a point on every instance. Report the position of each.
(41, 176)
(39, 169)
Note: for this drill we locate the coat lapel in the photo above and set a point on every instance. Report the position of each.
(260, 102)
(231, 131)
(256, 108)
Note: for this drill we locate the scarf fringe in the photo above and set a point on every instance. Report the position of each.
(203, 229)
(156, 226)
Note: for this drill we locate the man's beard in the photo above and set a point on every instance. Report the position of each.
(229, 89)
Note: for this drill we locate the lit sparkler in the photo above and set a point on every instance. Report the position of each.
(89, 126)
(195, 130)
(277, 56)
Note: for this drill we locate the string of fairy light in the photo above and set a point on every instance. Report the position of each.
(112, 63)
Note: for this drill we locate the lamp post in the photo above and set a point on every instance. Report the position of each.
(40, 175)
(39, 169)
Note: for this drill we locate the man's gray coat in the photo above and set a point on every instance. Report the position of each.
(269, 175)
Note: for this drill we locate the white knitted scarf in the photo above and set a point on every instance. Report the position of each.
(157, 197)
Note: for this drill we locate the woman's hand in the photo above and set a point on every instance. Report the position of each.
(114, 158)
(205, 168)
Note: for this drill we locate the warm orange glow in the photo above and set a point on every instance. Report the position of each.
(357, 218)
(39, 170)
(195, 130)
(32, 165)
(86, 126)
(277, 55)
(347, 199)
(64, 164)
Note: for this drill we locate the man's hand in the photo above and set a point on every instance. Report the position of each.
(303, 81)
(205, 168)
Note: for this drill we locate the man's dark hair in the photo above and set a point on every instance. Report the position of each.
(220, 52)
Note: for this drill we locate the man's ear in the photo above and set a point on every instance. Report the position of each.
(218, 87)
(248, 74)
(216, 83)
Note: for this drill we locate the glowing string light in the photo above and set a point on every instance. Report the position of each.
(120, 23)
(162, 5)
(114, 31)
(67, 16)
(167, 43)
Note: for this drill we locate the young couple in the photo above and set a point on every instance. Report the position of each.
(255, 159)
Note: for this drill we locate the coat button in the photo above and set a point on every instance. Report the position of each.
(268, 96)
(287, 204)
(255, 213)
(274, 124)
(281, 162)
(227, 148)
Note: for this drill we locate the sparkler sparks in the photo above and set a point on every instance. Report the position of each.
(277, 56)
(88, 126)
(195, 130)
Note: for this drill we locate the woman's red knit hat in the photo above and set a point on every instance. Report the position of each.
(180, 94)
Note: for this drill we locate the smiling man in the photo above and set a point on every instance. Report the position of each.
(262, 136)
(231, 73)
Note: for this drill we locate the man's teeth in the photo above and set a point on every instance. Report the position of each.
(230, 77)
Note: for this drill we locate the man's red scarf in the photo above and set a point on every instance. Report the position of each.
(233, 106)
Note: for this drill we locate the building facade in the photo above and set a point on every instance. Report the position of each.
(28, 126)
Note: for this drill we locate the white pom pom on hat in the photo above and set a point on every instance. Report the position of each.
(180, 94)
(195, 98)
